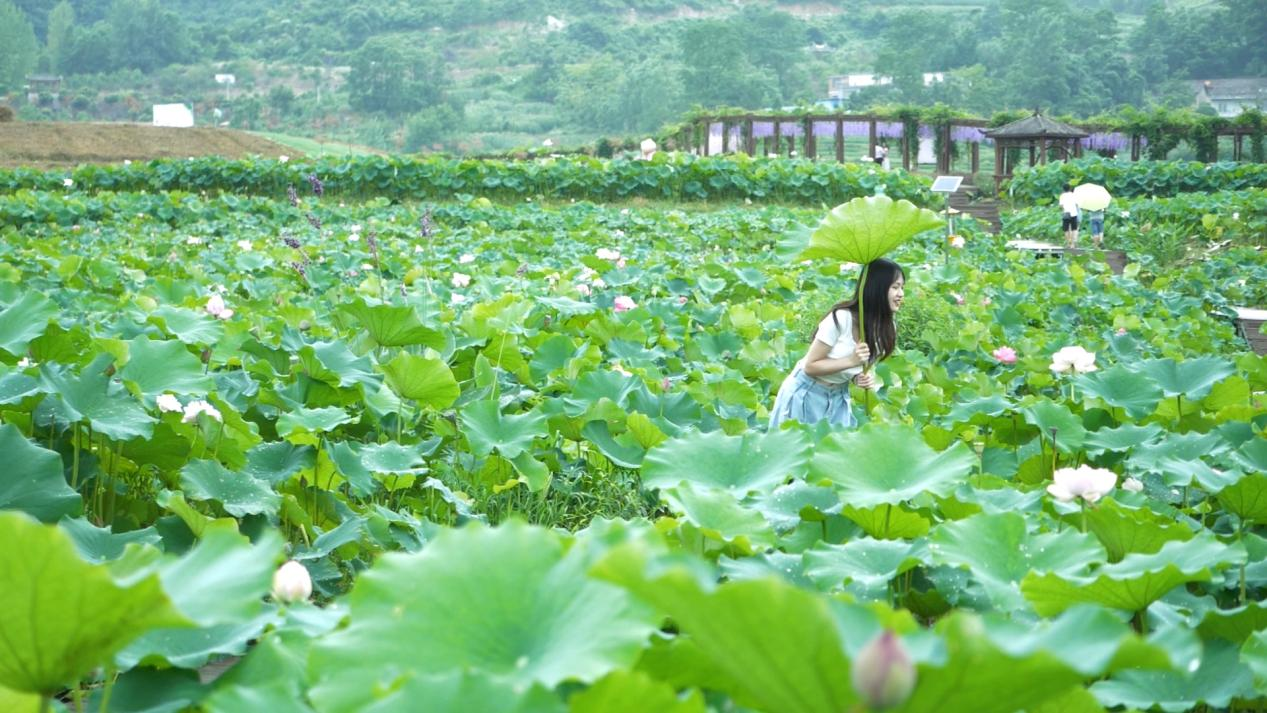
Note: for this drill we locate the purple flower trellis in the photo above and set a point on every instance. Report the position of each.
(970, 134)
(1107, 141)
(824, 128)
(762, 129)
(791, 128)
(889, 129)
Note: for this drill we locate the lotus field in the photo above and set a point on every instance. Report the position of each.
(514, 458)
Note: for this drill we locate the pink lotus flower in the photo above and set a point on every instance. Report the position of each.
(623, 304)
(583, 289)
(1120, 331)
(883, 674)
(620, 262)
(958, 297)
(681, 300)
(216, 308)
(1084, 482)
(665, 384)
(986, 301)
(1005, 355)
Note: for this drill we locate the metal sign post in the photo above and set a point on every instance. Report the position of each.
(946, 185)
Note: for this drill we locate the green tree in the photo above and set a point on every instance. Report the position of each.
(392, 75)
(716, 70)
(775, 41)
(281, 98)
(90, 50)
(589, 94)
(21, 51)
(145, 36)
(61, 26)
(432, 126)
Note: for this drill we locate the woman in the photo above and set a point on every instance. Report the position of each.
(818, 388)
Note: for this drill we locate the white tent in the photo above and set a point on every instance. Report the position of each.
(173, 115)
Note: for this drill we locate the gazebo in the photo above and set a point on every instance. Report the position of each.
(1038, 134)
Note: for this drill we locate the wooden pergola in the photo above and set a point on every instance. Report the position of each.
(1040, 136)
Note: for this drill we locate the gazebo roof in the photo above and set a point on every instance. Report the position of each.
(1036, 127)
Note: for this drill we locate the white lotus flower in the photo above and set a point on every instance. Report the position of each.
(466, 259)
(283, 158)
(456, 299)
(291, 583)
(623, 304)
(193, 408)
(68, 183)
(461, 279)
(193, 240)
(25, 362)
(245, 246)
(1132, 485)
(169, 404)
(1084, 482)
(607, 254)
(1073, 358)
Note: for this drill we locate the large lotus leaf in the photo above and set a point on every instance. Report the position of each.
(394, 325)
(999, 551)
(60, 617)
(863, 566)
(507, 602)
(867, 228)
(1181, 472)
(488, 429)
(1192, 378)
(24, 320)
(275, 462)
(623, 450)
(1235, 625)
(718, 513)
(99, 544)
(1220, 678)
(188, 326)
(1123, 530)
(396, 458)
(15, 386)
(148, 690)
(14, 702)
(335, 364)
(1122, 438)
(266, 679)
(155, 367)
(1136, 581)
(1253, 454)
(224, 577)
(94, 397)
(447, 692)
(239, 494)
(633, 692)
(788, 505)
(1122, 388)
(191, 648)
(887, 464)
(312, 420)
(992, 405)
(1247, 498)
(1001, 666)
(889, 522)
(426, 380)
(777, 647)
(32, 479)
(1048, 415)
(753, 461)
(1178, 446)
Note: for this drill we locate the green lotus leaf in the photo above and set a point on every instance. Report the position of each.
(1122, 438)
(15, 702)
(239, 494)
(426, 380)
(888, 522)
(1192, 378)
(274, 463)
(312, 420)
(1235, 625)
(1220, 678)
(1047, 415)
(999, 551)
(751, 462)
(716, 511)
(1136, 581)
(24, 320)
(448, 692)
(347, 461)
(1123, 388)
(1247, 498)
(191, 648)
(155, 367)
(396, 458)
(188, 326)
(335, 364)
(1123, 530)
(268, 678)
(1000, 665)
(991, 405)
(887, 465)
(394, 325)
(868, 228)
(863, 566)
(14, 387)
(488, 429)
(94, 397)
(60, 617)
(99, 544)
(623, 450)
(633, 692)
(788, 505)
(1253, 454)
(32, 479)
(224, 577)
(506, 602)
(148, 690)
(1254, 656)
(776, 647)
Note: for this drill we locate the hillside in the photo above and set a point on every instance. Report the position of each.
(50, 144)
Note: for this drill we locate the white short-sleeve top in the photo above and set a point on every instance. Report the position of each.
(1068, 204)
(838, 334)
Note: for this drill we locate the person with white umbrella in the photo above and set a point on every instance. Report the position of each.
(1093, 199)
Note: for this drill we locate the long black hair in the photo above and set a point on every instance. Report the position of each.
(881, 331)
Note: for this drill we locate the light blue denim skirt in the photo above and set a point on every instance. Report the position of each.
(802, 399)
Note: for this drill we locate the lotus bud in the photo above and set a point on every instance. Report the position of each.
(291, 583)
(883, 673)
(206, 355)
(304, 325)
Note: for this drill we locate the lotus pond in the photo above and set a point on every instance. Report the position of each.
(520, 452)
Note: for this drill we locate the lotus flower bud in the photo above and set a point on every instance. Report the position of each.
(291, 583)
(883, 673)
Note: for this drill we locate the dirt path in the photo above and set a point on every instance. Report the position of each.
(53, 145)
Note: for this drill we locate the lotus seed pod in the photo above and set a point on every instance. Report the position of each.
(883, 674)
(291, 583)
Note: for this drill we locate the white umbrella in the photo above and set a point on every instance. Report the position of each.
(1090, 196)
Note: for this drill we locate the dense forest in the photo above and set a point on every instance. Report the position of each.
(490, 74)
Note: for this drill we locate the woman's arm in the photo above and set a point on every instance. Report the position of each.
(817, 364)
